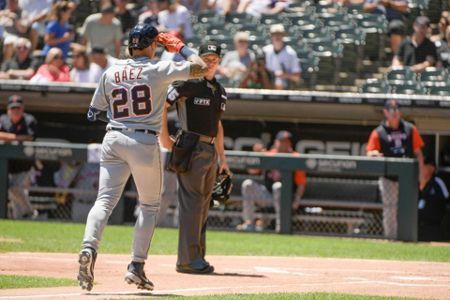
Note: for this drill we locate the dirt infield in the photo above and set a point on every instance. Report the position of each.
(234, 274)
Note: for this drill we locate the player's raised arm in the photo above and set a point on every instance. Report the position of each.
(198, 68)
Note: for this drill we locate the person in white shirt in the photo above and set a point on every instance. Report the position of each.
(257, 8)
(282, 59)
(174, 17)
(34, 15)
(81, 71)
(100, 62)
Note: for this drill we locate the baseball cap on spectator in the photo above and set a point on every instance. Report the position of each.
(107, 9)
(282, 135)
(277, 28)
(241, 36)
(391, 105)
(422, 21)
(210, 47)
(22, 42)
(15, 101)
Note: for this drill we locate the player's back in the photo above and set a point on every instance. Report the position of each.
(135, 90)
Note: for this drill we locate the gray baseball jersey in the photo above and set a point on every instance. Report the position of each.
(133, 91)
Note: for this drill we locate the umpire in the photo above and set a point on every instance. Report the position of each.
(197, 149)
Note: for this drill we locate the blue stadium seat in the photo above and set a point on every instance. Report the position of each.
(441, 89)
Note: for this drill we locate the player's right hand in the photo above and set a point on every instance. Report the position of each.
(170, 43)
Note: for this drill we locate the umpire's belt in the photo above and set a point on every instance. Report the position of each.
(148, 131)
(207, 139)
(202, 138)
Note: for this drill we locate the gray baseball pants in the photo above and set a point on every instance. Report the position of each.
(125, 153)
(194, 196)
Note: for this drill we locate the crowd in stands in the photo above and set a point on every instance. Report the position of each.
(270, 43)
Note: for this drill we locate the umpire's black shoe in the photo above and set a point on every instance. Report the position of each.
(86, 260)
(137, 276)
(198, 266)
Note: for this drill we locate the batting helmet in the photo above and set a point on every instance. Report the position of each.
(141, 36)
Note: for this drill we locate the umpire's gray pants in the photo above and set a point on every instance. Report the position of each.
(194, 196)
(125, 153)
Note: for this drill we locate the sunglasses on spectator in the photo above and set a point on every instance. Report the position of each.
(21, 48)
(57, 57)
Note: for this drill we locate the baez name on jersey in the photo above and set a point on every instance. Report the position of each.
(128, 74)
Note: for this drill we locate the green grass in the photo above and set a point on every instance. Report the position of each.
(66, 237)
(15, 282)
(280, 296)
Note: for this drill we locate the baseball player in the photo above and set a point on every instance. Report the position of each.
(130, 97)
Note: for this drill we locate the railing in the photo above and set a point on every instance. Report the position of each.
(405, 170)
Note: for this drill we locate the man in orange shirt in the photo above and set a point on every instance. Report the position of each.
(394, 137)
(269, 194)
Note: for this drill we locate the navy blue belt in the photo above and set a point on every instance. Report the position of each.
(148, 131)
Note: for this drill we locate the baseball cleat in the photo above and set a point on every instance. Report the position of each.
(86, 272)
(136, 275)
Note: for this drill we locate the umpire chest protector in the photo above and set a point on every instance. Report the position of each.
(200, 106)
(396, 142)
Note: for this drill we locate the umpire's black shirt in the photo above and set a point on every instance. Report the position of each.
(26, 126)
(200, 104)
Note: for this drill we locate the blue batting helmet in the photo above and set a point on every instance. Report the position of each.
(141, 36)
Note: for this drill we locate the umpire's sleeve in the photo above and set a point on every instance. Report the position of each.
(176, 90)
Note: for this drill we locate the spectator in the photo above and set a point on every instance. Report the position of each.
(103, 30)
(395, 12)
(258, 77)
(34, 15)
(236, 63)
(150, 15)
(418, 51)
(444, 51)
(257, 8)
(394, 137)
(10, 20)
(59, 33)
(81, 71)
(269, 194)
(195, 6)
(53, 70)
(22, 65)
(125, 16)
(223, 7)
(174, 17)
(17, 125)
(433, 199)
(281, 59)
(444, 22)
(100, 62)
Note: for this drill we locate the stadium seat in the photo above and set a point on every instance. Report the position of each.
(374, 85)
(375, 27)
(407, 87)
(240, 18)
(353, 39)
(434, 74)
(400, 73)
(441, 89)
(273, 19)
(334, 19)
